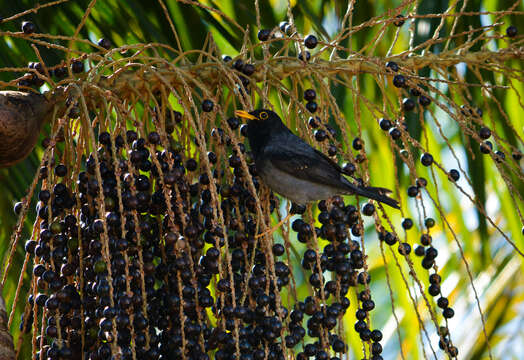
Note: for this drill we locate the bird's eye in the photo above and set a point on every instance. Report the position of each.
(263, 115)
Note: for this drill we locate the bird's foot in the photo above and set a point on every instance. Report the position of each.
(276, 227)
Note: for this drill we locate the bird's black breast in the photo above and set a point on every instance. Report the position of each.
(265, 133)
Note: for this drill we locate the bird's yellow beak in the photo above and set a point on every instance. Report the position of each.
(245, 115)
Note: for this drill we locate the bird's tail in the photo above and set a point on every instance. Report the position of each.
(376, 193)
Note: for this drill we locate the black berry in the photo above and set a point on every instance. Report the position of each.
(385, 124)
(407, 223)
(412, 191)
(399, 20)
(310, 95)
(248, 69)
(311, 106)
(307, 57)
(207, 105)
(263, 34)
(429, 222)
(454, 174)
(511, 31)
(395, 133)
(448, 313)
(310, 41)
(486, 147)
(77, 66)
(484, 133)
(105, 43)
(426, 159)
(399, 81)
(314, 122)
(233, 123)
(391, 65)
(61, 170)
(357, 143)
(28, 27)
(408, 104)
(424, 100)
(368, 209)
(421, 182)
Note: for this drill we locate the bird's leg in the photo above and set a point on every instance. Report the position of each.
(277, 226)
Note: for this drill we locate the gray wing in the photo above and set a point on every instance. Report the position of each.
(294, 156)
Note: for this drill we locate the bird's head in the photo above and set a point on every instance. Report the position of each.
(263, 117)
(261, 125)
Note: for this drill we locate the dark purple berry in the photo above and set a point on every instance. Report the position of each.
(368, 209)
(332, 150)
(77, 66)
(349, 168)
(307, 57)
(105, 43)
(17, 208)
(399, 20)
(448, 313)
(357, 143)
(442, 302)
(314, 122)
(310, 95)
(511, 31)
(424, 100)
(399, 81)
(486, 147)
(238, 64)
(28, 27)
(60, 72)
(419, 250)
(429, 222)
(385, 124)
(207, 105)
(263, 34)
(426, 159)
(412, 191)
(421, 182)
(311, 106)
(484, 133)
(407, 223)
(153, 138)
(248, 69)
(61, 170)
(395, 133)
(233, 123)
(391, 65)
(320, 135)
(408, 104)
(454, 174)
(310, 41)
(500, 156)
(414, 92)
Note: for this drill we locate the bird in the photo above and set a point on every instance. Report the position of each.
(294, 169)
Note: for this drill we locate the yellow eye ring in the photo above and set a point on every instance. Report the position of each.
(263, 115)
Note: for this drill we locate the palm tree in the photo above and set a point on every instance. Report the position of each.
(152, 248)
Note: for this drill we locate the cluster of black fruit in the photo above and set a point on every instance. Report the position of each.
(36, 72)
(131, 255)
(344, 260)
(285, 28)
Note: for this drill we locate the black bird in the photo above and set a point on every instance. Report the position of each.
(294, 169)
